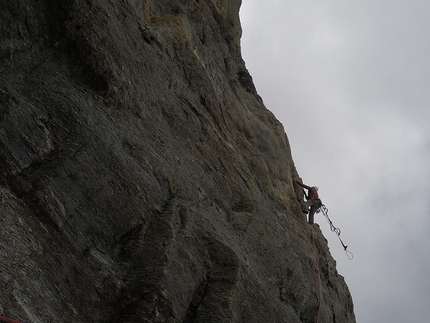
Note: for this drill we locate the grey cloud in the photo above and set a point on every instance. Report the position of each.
(350, 82)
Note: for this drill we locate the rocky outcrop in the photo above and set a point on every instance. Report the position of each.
(141, 177)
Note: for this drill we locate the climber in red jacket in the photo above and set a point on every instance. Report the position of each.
(313, 200)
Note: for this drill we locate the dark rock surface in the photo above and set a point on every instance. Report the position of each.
(141, 177)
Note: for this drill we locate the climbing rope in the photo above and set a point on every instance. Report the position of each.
(324, 210)
(318, 278)
(5, 319)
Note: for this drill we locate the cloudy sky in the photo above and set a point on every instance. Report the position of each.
(350, 82)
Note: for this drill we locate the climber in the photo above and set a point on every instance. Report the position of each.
(313, 200)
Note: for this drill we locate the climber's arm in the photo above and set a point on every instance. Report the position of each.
(302, 185)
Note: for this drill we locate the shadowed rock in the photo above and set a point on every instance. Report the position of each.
(141, 177)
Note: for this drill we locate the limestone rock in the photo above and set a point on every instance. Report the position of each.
(141, 177)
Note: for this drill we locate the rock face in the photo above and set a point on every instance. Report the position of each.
(141, 177)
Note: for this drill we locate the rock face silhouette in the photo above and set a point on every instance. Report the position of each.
(141, 177)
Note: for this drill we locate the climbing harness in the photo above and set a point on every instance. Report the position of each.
(4, 319)
(318, 200)
(324, 210)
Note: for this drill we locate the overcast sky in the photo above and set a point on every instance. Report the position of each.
(350, 82)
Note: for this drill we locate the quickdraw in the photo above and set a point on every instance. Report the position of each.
(324, 210)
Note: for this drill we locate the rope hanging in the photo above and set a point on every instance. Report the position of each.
(324, 210)
(5, 319)
(318, 278)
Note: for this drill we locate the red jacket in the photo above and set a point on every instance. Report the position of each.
(312, 193)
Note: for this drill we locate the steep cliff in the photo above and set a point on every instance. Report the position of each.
(141, 177)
